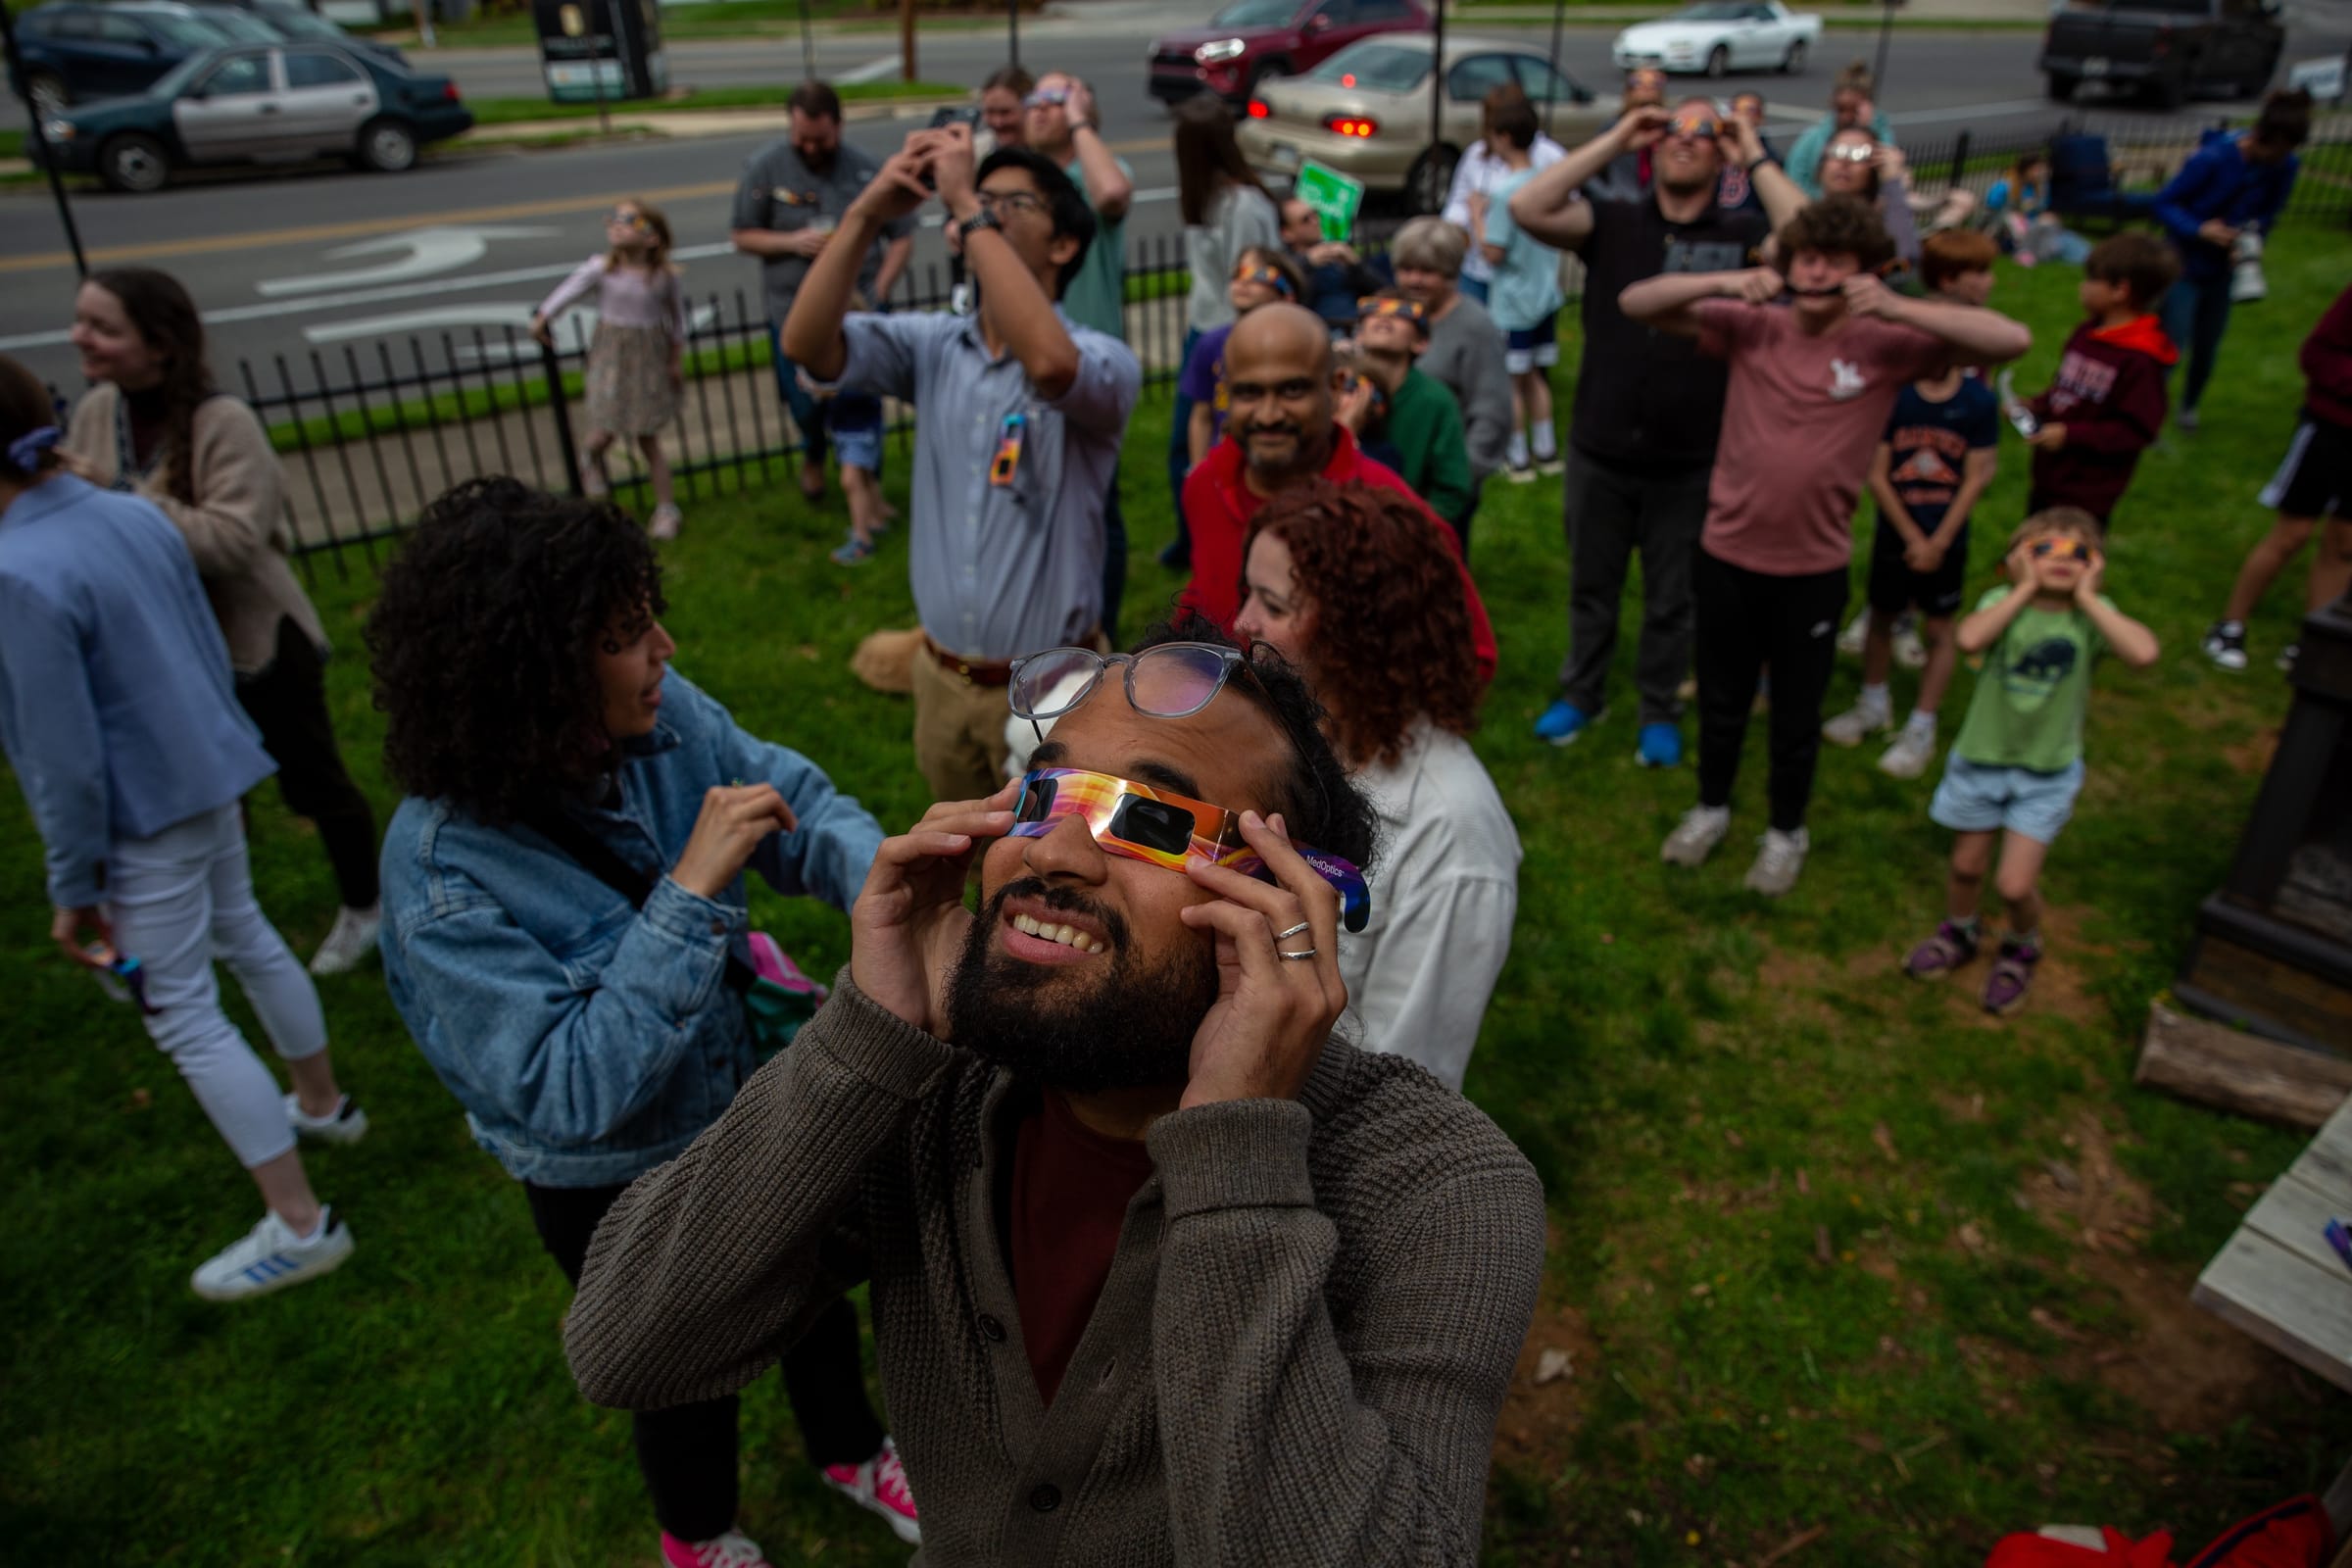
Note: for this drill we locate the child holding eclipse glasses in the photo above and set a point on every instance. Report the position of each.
(2017, 766)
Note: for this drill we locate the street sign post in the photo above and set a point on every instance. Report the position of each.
(1335, 197)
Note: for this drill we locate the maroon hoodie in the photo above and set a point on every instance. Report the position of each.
(2110, 397)
(2327, 360)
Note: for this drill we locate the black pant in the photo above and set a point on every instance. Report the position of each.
(1746, 621)
(687, 1453)
(287, 700)
(1114, 561)
(1612, 511)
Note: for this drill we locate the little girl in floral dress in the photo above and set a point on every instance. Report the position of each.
(635, 360)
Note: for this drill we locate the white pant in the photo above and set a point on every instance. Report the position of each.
(178, 901)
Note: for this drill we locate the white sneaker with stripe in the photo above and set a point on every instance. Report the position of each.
(271, 1257)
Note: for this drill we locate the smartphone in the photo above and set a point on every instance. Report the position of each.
(124, 978)
(2020, 418)
(950, 114)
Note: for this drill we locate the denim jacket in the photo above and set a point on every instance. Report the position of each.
(587, 1040)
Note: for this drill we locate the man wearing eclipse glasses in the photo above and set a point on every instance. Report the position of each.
(1022, 413)
(1161, 1269)
(1648, 405)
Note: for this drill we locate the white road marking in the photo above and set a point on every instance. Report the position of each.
(428, 251)
(871, 70)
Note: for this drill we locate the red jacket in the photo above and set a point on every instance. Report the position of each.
(1219, 506)
(2110, 397)
(2327, 360)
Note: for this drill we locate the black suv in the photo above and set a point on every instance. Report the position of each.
(2168, 49)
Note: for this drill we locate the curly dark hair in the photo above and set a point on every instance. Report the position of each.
(1838, 225)
(1390, 631)
(483, 643)
(1319, 804)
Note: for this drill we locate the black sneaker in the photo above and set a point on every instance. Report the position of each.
(2225, 645)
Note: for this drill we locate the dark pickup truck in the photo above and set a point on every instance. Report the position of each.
(2168, 49)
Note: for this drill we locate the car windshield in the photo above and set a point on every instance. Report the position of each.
(189, 31)
(292, 24)
(1713, 11)
(243, 27)
(1374, 66)
(1256, 14)
(172, 83)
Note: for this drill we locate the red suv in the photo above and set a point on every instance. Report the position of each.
(1250, 40)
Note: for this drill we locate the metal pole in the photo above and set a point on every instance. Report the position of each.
(40, 142)
(596, 73)
(1878, 74)
(1013, 29)
(1559, 15)
(1437, 73)
(808, 46)
(907, 39)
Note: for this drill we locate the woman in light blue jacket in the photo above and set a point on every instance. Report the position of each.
(118, 714)
(565, 928)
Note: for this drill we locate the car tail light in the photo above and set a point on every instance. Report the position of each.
(2164, 41)
(449, 90)
(1258, 109)
(1358, 126)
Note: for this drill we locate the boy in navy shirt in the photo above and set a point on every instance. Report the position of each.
(1934, 462)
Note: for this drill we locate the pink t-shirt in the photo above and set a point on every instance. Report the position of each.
(1803, 412)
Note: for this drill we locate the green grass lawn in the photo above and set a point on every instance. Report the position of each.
(1830, 1248)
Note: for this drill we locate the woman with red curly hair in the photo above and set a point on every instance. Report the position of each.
(1354, 587)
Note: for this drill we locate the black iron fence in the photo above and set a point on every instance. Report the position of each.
(370, 433)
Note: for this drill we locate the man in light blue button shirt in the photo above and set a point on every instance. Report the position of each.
(1020, 416)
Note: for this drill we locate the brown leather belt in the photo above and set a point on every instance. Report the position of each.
(974, 672)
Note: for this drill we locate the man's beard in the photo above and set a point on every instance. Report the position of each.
(817, 160)
(1699, 180)
(1131, 1028)
(1307, 455)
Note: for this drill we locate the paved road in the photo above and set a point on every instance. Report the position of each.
(291, 263)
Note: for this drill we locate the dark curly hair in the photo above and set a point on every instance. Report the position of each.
(1319, 804)
(483, 643)
(1392, 633)
(1838, 225)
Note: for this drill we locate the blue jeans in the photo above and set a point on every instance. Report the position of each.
(1180, 452)
(1475, 287)
(2196, 312)
(811, 415)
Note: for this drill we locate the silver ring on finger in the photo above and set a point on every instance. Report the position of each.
(1285, 936)
(1302, 952)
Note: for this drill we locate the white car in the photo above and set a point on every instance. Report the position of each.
(1718, 36)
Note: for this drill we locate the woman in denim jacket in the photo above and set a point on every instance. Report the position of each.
(584, 1015)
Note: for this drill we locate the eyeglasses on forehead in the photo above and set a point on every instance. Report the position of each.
(1173, 680)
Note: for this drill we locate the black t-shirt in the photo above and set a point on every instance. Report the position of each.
(1646, 398)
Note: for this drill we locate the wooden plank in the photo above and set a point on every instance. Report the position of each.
(2335, 1137)
(2294, 1214)
(2283, 1300)
(2214, 1066)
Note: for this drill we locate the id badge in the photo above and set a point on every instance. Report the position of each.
(1009, 452)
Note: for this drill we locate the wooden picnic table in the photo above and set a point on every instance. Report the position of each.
(2278, 1279)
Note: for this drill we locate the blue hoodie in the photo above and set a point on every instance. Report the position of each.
(2218, 181)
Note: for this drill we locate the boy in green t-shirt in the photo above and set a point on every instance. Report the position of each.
(2017, 766)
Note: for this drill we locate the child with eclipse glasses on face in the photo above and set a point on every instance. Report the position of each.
(2017, 766)
(1261, 275)
(1146, 821)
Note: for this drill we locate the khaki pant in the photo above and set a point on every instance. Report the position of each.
(959, 732)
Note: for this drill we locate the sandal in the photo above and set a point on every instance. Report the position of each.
(1947, 950)
(853, 551)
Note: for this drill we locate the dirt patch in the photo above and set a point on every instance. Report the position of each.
(2186, 1367)
(1538, 1420)
(2252, 757)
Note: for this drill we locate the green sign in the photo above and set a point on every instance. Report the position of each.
(1333, 195)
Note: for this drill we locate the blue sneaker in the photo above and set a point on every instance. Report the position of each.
(1660, 746)
(1563, 721)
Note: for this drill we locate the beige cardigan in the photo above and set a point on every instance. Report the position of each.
(235, 528)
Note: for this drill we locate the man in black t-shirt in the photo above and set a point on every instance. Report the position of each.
(1648, 405)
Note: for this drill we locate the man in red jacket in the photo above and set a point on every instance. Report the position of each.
(2314, 482)
(1280, 430)
(2107, 404)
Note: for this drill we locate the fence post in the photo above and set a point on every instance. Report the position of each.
(551, 365)
(1959, 159)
